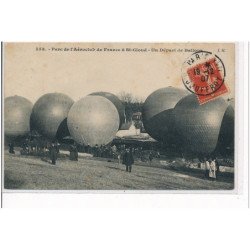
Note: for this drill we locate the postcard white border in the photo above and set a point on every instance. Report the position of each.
(9, 197)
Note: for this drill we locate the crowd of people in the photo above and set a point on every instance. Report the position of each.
(105, 151)
(124, 154)
(38, 148)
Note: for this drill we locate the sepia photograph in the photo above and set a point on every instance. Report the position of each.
(119, 116)
(124, 124)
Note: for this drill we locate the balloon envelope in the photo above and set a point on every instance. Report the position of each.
(199, 125)
(226, 136)
(17, 111)
(49, 115)
(158, 116)
(93, 120)
(116, 101)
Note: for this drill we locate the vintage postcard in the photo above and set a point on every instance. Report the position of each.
(119, 116)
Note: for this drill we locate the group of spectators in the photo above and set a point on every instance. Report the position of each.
(122, 153)
(105, 151)
(37, 147)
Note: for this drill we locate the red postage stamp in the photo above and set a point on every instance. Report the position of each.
(203, 74)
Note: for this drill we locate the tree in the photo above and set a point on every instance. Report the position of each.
(132, 104)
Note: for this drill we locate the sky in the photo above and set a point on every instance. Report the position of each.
(34, 69)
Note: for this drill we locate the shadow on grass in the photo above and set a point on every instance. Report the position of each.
(116, 168)
(12, 183)
(46, 160)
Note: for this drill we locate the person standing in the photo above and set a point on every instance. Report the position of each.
(95, 151)
(128, 160)
(76, 152)
(73, 155)
(207, 168)
(119, 158)
(150, 158)
(87, 149)
(53, 153)
(24, 150)
(212, 170)
(11, 148)
(57, 145)
(71, 152)
(217, 168)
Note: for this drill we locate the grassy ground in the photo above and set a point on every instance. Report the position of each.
(32, 173)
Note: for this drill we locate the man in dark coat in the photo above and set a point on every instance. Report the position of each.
(217, 168)
(25, 149)
(150, 158)
(11, 148)
(76, 152)
(53, 153)
(73, 156)
(207, 167)
(128, 160)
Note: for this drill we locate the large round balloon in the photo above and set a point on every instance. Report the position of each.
(226, 137)
(17, 111)
(199, 125)
(116, 101)
(158, 116)
(93, 120)
(49, 115)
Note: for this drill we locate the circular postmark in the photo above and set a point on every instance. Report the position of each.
(203, 73)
